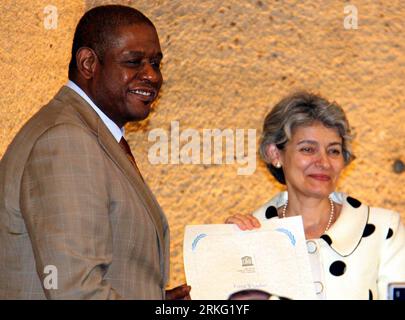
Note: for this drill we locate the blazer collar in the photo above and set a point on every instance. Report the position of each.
(116, 154)
(347, 231)
(345, 234)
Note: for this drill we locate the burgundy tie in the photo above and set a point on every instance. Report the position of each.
(125, 146)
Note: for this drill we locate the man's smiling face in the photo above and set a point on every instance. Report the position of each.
(127, 79)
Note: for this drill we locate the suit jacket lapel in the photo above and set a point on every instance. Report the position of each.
(117, 155)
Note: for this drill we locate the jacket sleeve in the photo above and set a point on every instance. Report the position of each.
(64, 202)
(392, 263)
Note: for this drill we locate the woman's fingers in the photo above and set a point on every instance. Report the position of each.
(238, 220)
(244, 222)
(253, 220)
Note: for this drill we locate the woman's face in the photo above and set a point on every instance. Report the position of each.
(313, 160)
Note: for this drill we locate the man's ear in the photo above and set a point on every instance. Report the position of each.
(274, 155)
(86, 62)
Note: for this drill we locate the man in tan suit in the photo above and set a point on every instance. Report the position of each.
(77, 220)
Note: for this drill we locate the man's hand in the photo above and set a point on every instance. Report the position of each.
(179, 293)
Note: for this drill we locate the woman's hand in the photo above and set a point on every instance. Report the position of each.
(244, 221)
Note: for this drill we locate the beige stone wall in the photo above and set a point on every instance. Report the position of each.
(226, 63)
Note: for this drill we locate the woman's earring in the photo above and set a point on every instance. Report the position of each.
(278, 165)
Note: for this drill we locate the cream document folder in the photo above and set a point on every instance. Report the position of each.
(220, 259)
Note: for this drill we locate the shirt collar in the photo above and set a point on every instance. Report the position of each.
(117, 132)
(345, 234)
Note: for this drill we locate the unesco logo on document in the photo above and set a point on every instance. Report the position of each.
(247, 265)
(247, 261)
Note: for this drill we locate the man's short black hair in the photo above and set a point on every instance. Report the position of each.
(97, 28)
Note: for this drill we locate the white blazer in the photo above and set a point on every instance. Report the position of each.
(361, 253)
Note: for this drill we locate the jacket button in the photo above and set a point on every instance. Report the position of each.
(318, 287)
(311, 246)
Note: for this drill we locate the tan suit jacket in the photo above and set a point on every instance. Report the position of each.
(71, 201)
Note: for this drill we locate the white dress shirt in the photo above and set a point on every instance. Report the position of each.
(117, 132)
